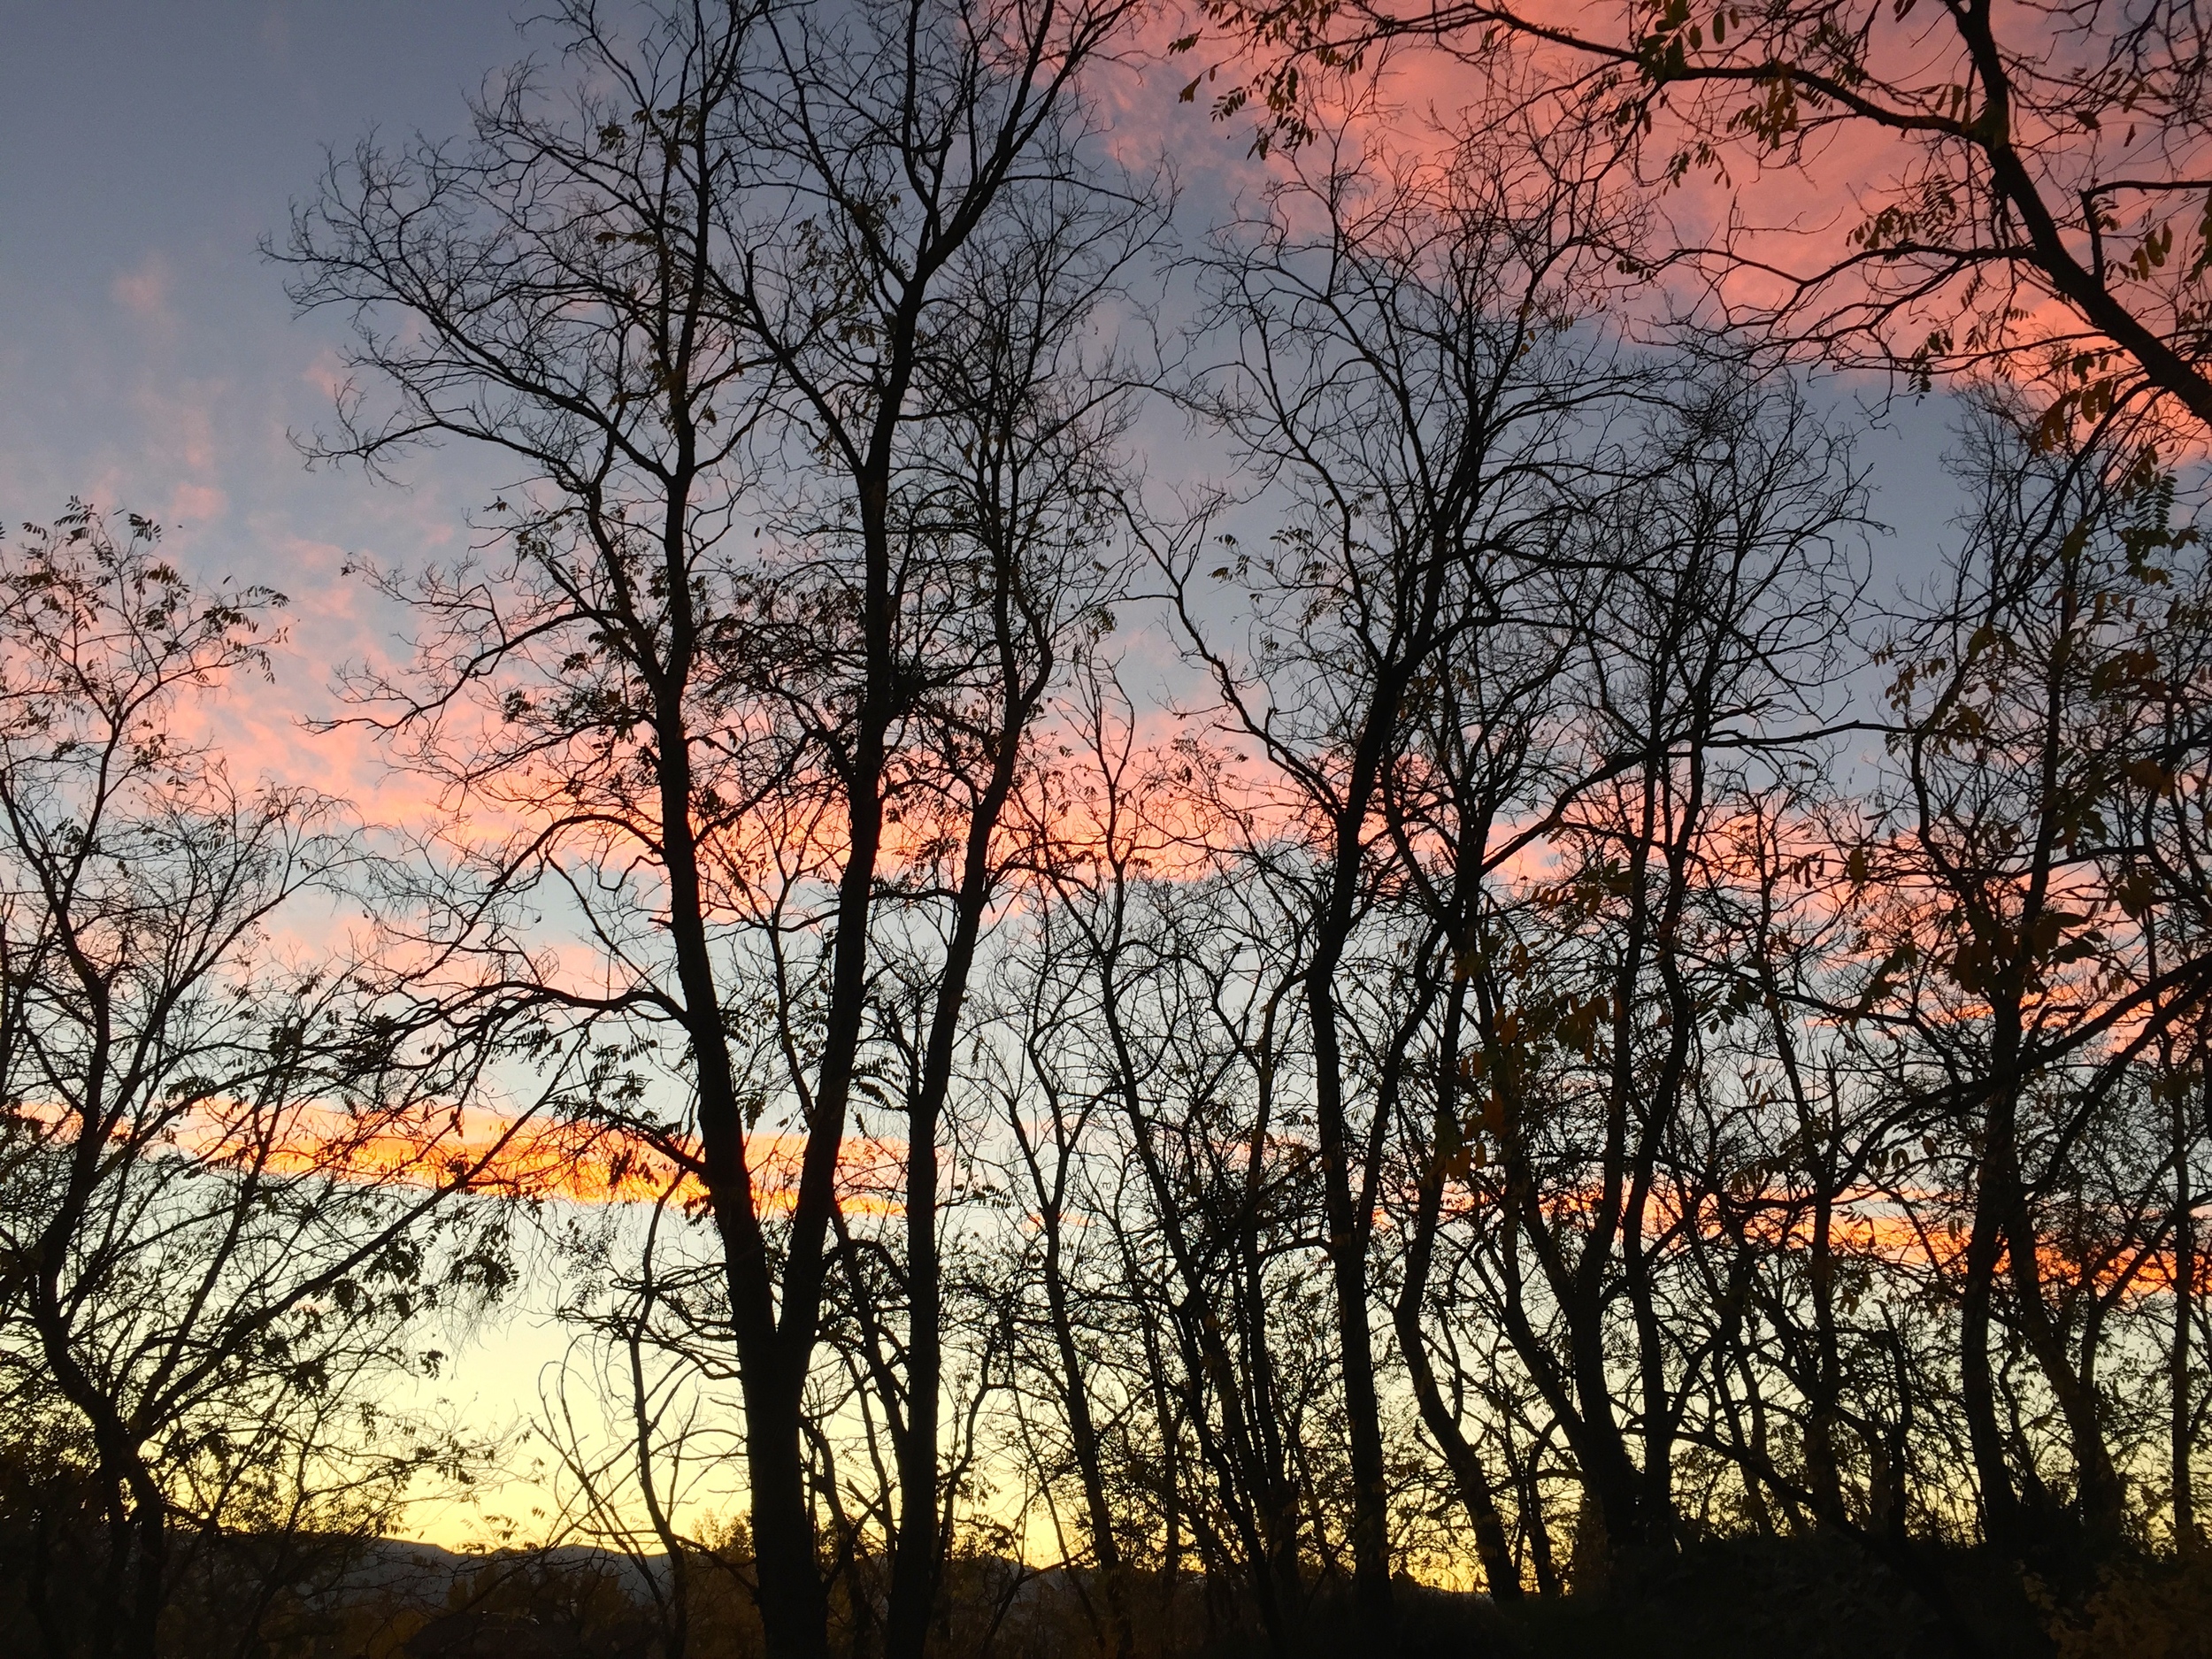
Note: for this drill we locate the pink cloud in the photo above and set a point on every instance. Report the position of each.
(326, 373)
(144, 291)
(195, 504)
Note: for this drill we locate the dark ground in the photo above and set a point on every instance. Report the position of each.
(1816, 1598)
(1801, 1598)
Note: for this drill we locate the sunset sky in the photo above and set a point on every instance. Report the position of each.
(148, 355)
(149, 359)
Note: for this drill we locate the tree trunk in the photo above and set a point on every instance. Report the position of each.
(1823, 1477)
(1347, 1263)
(2002, 1520)
(1468, 1477)
(793, 1608)
(150, 1524)
(1083, 1432)
(915, 1556)
(2186, 1539)
(915, 1563)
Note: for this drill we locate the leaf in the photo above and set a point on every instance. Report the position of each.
(2149, 775)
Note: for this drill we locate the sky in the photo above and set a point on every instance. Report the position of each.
(149, 360)
(148, 355)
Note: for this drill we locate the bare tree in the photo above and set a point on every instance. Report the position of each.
(753, 270)
(227, 1163)
(1413, 378)
(2046, 155)
(2041, 776)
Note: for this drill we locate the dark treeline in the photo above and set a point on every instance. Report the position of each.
(1182, 937)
